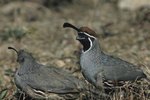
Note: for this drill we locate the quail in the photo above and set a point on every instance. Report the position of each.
(39, 81)
(98, 67)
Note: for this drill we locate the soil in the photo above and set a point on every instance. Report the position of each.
(122, 33)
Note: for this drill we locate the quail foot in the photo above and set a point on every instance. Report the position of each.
(39, 81)
(99, 68)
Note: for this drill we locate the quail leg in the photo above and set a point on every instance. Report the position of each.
(99, 82)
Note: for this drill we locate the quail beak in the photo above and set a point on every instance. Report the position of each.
(77, 38)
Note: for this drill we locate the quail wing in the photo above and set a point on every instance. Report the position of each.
(120, 70)
(51, 79)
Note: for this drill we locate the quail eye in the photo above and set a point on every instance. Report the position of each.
(82, 36)
(21, 59)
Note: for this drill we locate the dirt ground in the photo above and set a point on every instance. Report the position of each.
(36, 26)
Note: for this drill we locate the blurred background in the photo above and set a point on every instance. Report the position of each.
(123, 27)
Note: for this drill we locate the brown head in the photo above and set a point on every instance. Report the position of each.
(86, 36)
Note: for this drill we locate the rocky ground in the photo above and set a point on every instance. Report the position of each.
(36, 26)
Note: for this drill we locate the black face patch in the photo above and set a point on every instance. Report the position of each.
(85, 40)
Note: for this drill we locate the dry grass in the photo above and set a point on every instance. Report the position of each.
(51, 44)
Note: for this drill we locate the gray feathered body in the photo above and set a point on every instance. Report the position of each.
(32, 77)
(94, 62)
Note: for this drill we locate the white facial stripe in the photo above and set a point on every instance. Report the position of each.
(90, 45)
(88, 35)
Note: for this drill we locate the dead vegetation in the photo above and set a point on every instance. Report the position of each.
(39, 26)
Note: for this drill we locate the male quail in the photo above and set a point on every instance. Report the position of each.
(39, 81)
(98, 67)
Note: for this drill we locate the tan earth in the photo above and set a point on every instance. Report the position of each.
(49, 43)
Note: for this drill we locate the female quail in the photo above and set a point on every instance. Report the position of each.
(39, 81)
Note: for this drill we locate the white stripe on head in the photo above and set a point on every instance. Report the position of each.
(88, 35)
